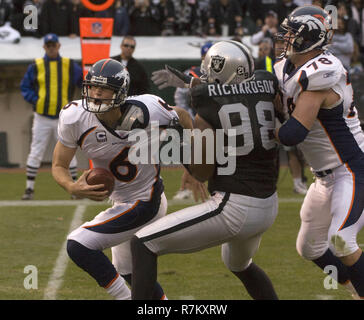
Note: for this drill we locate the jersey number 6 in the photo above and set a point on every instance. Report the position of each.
(121, 162)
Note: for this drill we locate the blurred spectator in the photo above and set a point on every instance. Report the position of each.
(7, 33)
(77, 11)
(139, 83)
(268, 30)
(17, 15)
(5, 10)
(259, 9)
(357, 13)
(121, 19)
(342, 44)
(144, 19)
(186, 20)
(265, 51)
(244, 5)
(265, 60)
(319, 3)
(203, 7)
(225, 18)
(302, 2)
(352, 26)
(166, 9)
(285, 8)
(55, 17)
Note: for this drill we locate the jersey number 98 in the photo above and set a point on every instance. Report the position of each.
(264, 122)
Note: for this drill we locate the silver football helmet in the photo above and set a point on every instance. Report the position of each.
(227, 62)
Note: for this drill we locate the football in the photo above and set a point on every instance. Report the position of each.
(101, 176)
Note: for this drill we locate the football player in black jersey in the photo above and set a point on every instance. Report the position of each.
(243, 202)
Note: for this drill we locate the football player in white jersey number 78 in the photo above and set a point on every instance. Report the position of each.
(323, 123)
(99, 125)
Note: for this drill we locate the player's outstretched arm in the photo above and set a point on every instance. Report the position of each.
(171, 77)
(62, 157)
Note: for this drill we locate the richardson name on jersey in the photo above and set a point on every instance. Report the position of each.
(249, 87)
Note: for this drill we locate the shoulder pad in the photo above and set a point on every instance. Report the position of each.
(322, 73)
(132, 118)
(320, 80)
(71, 112)
(154, 109)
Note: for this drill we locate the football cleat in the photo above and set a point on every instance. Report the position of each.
(28, 194)
(183, 195)
(299, 187)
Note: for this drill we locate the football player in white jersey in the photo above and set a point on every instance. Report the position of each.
(324, 124)
(244, 202)
(99, 125)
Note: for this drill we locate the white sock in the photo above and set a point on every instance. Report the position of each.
(349, 286)
(30, 184)
(119, 290)
(297, 181)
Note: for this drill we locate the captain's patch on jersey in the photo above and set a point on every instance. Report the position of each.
(101, 136)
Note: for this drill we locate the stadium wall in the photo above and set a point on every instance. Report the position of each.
(16, 114)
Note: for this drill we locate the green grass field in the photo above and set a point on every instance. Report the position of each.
(34, 236)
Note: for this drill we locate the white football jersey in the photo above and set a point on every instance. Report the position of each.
(336, 136)
(108, 148)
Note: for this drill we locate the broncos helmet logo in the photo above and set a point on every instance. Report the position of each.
(310, 21)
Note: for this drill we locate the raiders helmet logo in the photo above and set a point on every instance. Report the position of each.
(217, 63)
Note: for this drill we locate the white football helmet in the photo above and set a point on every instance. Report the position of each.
(227, 62)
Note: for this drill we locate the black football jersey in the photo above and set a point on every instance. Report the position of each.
(248, 108)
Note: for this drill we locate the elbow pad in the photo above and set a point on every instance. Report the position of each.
(292, 132)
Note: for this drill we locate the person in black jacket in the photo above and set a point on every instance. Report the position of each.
(139, 83)
(55, 17)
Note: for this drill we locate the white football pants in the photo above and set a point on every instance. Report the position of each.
(233, 220)
(331, 215)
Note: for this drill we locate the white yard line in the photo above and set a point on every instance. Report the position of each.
(324, 297)
(56, 278)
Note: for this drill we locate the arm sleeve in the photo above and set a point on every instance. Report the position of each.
(27, 86)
